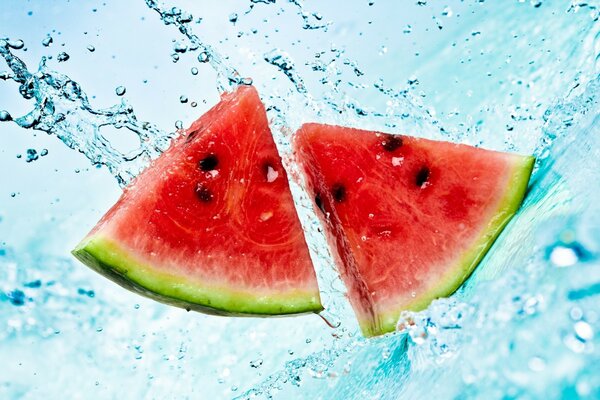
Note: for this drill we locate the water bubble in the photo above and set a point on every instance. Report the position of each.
(120, 90)
(407, 29)
(233, 18)
(183, 99)
(5, 116)
(136, 306)
(256, 363)
(62, 57)
(194, 71)
(447, 12)
(91, 48)
(44, 152)
(193, 104)
(178, 124)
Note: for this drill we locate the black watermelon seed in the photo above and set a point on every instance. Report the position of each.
(391, 143)
(208, 163)
(191, 135)
(266, 167)
(422, 176)
(203, 193)
(339, 192)
(319, 203)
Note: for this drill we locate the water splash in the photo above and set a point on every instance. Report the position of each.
(61, 108)
(227, 76)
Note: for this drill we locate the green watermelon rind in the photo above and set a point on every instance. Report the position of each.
(106, 257)
(456, 276)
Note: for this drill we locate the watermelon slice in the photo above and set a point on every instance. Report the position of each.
(409, 218)
(211, 224)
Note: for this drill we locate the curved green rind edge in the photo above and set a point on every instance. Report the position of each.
(109, 259)
(456, 276)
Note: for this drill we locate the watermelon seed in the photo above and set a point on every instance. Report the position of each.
(203, 193)
(270, 173)
(422, 176)
(191, 135)
(209, 163)
(391, 143)
(339, 192)
(319, 203)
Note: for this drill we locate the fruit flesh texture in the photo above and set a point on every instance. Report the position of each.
(409, 218)
(211, 224)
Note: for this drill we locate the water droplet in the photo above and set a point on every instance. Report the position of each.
(576, 313)
(13, 194)
(193, 104)
(194, 71)
(183, 99)
(15, 44)
(5, 116)
(583, 331)
(179, 47)
(234, 388)
(563, 256)
(536, 364)
(233, 18)
(256, 363)
(179, 124)
(203, 57)
(32, 155)
(136, 306)
(308, 340)
(120, 90)
(407, 29)
(62, 57)
(44, 152)
(91, 48)
(447, 12)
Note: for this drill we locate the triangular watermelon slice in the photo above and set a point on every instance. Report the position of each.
(409, 218)
(211, 224)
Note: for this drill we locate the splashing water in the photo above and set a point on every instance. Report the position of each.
(62, 109)
(520, 77)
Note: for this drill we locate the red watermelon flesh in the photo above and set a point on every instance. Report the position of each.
(409, 218)
(211, 225)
